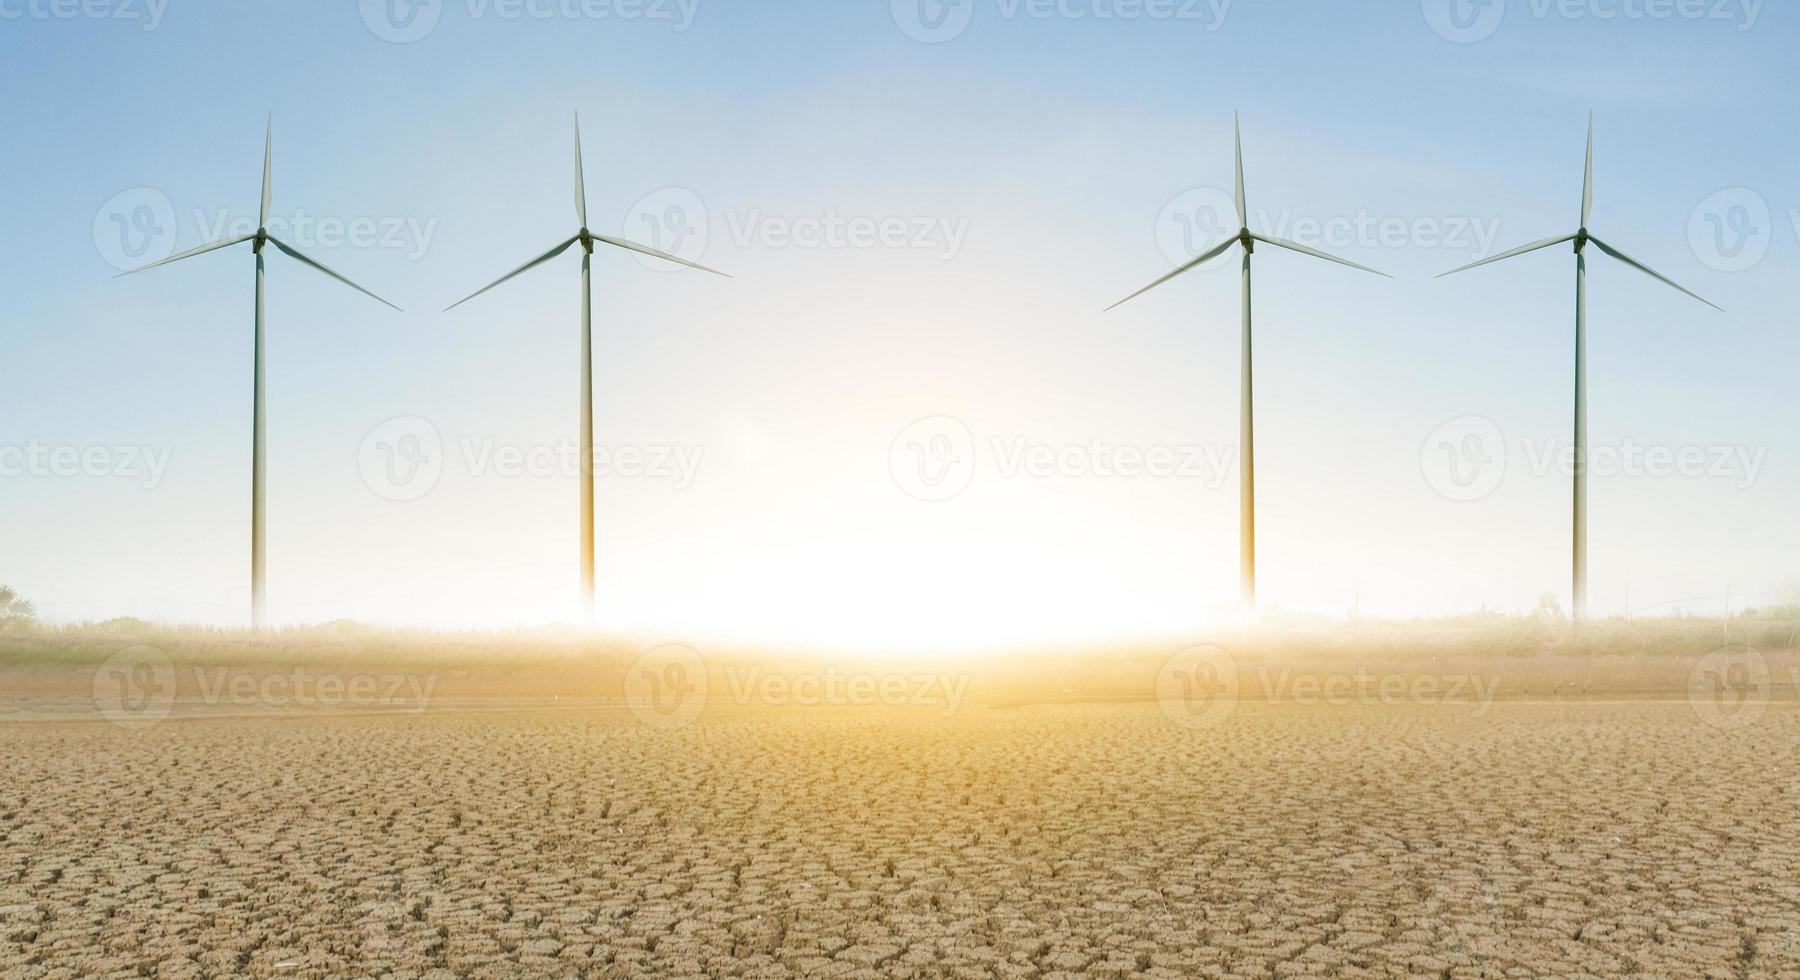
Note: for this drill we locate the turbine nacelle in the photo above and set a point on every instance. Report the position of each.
(583, 236)
(261, 236)
(1245, 238)
(1583, 237)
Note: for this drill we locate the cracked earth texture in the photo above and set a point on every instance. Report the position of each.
(1532, 840)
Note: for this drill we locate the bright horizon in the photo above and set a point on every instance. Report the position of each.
(970, 225)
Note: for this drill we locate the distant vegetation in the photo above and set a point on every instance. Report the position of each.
(1536, 655)
(16, 612)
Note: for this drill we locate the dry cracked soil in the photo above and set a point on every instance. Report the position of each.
(1524, 840)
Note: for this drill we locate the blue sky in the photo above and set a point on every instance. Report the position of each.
(976, 201)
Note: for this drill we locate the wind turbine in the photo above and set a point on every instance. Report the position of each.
(587, 240)
(1247, 413)
(259, 439)
(1582, 239)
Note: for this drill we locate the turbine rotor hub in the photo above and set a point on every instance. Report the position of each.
(1581, 239)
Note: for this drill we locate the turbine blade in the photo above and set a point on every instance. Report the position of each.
(540, 260)
(647, 250)
(221, 243)
(1238, 138)
(1315, 253)
(1203, 258)
(296, 256)
(1652, 273)
(1587, 182)
(262, 218)
(580, 184)
(1521, 250)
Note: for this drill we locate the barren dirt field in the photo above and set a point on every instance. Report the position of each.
(1290, 840)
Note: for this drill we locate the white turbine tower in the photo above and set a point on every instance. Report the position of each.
(1247, 414)
(1582, 239)
(259, 420)
(587, 240)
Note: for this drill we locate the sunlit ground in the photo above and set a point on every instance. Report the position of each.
(1477, 798)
